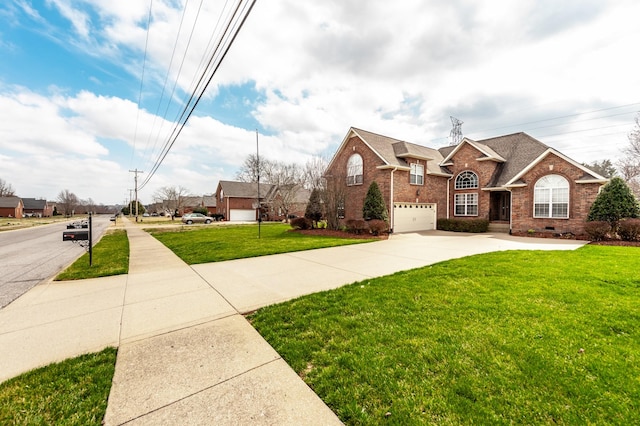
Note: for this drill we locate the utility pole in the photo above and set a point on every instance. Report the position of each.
(130, 201)
(135, 172)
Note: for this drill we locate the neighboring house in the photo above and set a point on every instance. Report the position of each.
(209, 202)
(286, 201)
(37, 208)
(238, 201)
(190, 203)
(514, 181)
(11, 207)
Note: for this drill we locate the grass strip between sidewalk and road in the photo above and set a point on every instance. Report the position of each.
(72, 392)
(525, 337)
(110, 257)
(211, 243)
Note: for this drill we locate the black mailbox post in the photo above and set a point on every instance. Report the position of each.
(75, 236)
(80, 232)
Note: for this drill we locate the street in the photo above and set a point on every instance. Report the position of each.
(30, 256)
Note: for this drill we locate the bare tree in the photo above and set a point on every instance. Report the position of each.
(68, 202)
(333, 198)
(172, 198)
(629, 165)
(6, 190)
(313, 172)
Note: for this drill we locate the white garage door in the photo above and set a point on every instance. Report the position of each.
(412, 217)
(238, 215)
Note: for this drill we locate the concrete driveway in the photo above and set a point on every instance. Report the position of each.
(248, 284)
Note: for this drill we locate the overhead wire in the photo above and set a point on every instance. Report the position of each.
(166, 78)
(232, 29)
(144, 62)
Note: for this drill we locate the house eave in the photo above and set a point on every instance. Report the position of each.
(497, 160)
(390, 166)
(417, 157)
(602, 181)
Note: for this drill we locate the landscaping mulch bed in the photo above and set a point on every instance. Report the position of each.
(616, 243)
(340, 234)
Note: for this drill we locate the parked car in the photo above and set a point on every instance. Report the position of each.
(190, 218)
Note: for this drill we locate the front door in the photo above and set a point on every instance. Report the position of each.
(500, 206)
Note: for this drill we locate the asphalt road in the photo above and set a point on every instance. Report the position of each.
(33, 255)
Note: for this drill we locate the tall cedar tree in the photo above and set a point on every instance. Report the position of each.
(615, 202)
(314, 207)
(374, 206)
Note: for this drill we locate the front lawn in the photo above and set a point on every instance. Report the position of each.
(211, 243)
(110, 257)
(72, 392)
(525, 337)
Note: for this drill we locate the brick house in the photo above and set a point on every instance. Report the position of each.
(284, 201)
(37, 207)
(11, 207)
(514, 181)
(238, 201)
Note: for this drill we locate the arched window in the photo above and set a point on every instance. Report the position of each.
(467, 180)
(354, 170)
(551, 197)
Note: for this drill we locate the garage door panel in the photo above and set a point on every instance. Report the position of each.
(242, 215)
(413, 217)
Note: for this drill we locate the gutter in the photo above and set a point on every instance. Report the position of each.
(392, 216)
(448, 197)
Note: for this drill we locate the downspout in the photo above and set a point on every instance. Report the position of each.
(449, 196)
(510, 210)
(391, 222)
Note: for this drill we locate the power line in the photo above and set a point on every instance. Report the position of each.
(144, 62)
(186, 113)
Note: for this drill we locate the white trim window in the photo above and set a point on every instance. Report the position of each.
(466, 204)
(467, 180)
(416, 175)
(354, 170)
(551, 197)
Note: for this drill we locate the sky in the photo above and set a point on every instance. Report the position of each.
(92, 89)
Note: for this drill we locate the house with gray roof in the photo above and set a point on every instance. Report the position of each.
(515, 182)
(11, 207)
(239, 201)
(37, 207)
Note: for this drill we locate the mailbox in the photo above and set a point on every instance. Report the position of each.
(75, 235)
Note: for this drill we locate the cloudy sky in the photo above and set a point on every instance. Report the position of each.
(90, 89)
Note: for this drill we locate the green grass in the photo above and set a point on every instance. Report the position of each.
(524, 337)
(217, 243)
(73, 392)
(110, 257)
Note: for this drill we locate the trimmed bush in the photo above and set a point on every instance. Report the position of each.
(629, 229)
(377, 226)
(301, 223)
(357, 226)
(597, 230)
(615, 202)
(463, 225)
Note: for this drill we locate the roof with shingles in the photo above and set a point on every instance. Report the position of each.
(514, 153)
(394, 151)
(34, 204)
(244, 189)
(9, 202)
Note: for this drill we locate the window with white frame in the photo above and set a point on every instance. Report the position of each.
(354, 170)
(416, 175)
(467, 180)
(551, 197)
(466, 205)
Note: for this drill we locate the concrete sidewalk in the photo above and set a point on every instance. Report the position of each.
(186, 355)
